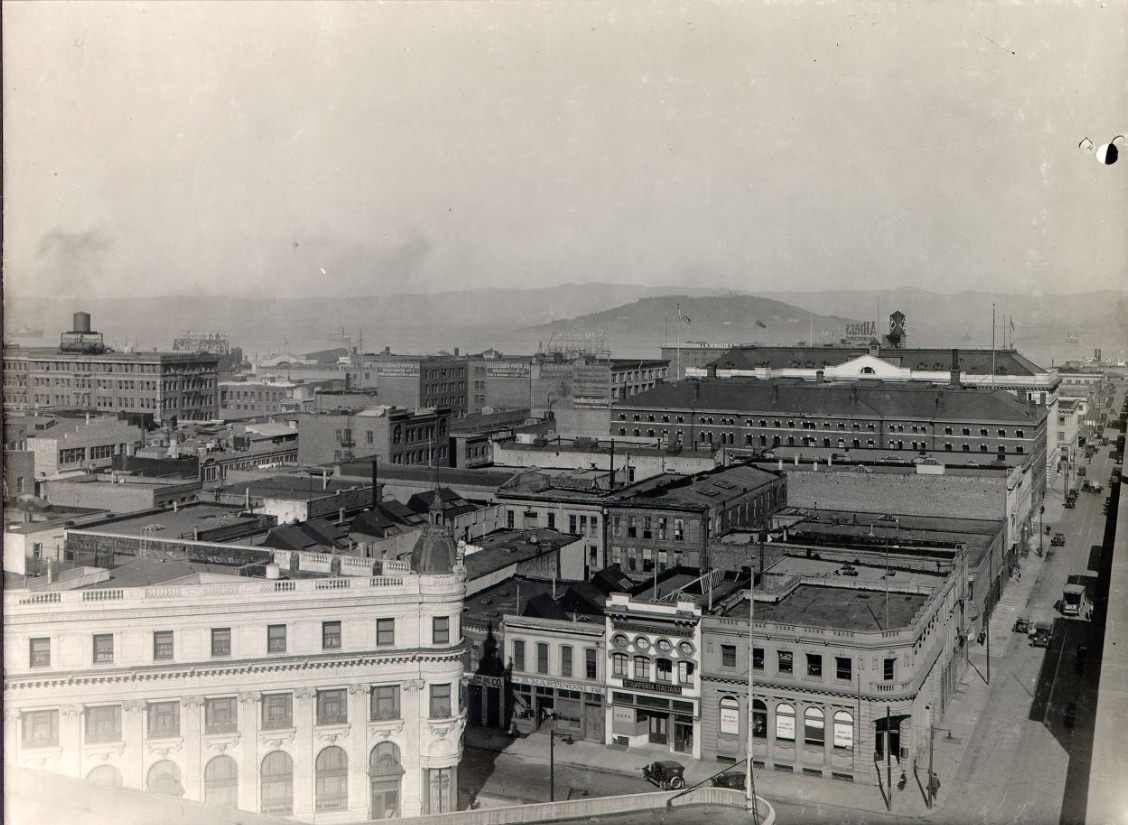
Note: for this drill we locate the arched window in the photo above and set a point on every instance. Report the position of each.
(759, 719)
(331, 769)
(277, 784)
(105, 775)
(384, 776)
(730, 716)
(221, 782)
(814, 724)
(164, 778)
(785, 722)
(843, 730)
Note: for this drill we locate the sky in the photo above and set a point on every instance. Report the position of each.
(296, 149)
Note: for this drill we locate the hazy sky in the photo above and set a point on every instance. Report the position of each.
(343, 148)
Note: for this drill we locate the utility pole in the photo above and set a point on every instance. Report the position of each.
(888, 762)
(749, 786)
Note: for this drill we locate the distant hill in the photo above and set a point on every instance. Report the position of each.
(731, 318)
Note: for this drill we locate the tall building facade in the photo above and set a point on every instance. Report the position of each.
(327, 699)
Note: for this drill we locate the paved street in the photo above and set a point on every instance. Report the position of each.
(1008, 755)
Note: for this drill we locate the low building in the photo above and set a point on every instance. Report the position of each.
(295, 498)
(120, 493)
(35, 533)
(65, 444)
(319, 698)
(467, 520)
(534, 554)
(244, 398)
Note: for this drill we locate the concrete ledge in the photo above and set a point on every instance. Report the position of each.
(597, 806)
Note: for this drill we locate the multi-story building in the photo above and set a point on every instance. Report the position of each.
(906, 418)
(217, 343)
(630, 457)
(120, 493)
(629, 377)
(991, 369)
(83, 374)
(497, 382)
(394, 435)
(66, 444)
(841, 669)
(414, 381)
(244, 398)
(324, 699)
(670, 520)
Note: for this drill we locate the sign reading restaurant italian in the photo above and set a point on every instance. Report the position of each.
(656, 687)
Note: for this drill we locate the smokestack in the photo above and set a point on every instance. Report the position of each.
(954, 378)
(324, 479)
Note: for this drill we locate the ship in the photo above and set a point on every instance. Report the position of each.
(1072, 338)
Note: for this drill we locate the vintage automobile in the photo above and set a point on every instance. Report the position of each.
(666, 774)
(1081, 472)
(1041, 635)
(1058, 540)
(732, 779)
(1022, 625)
(1070, 502)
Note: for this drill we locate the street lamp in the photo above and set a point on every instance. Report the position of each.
(567, 739)
(1041, 512)
(931, 736)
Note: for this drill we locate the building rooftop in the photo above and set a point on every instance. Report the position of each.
(505, 547)
(861, 399)
(839, 608)
(179, 523)
(972, 361)
(508, 597)
(153, 356)
(704, 489)
(148, 572)
(602, 447)
(484, 476)
(294, 487)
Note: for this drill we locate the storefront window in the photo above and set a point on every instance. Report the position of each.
(730, 716)
(759, 719)
(843, 730)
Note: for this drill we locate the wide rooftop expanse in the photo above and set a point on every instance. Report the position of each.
(840, 608)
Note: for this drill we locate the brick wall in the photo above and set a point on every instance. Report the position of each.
(918, 495)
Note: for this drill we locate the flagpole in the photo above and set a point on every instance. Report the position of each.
(992, 338)
(680, 376)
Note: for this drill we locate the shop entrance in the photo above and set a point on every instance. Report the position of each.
(659, 729)
(683, 737)
(879, 727)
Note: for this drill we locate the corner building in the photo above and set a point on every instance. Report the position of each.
(325, 699)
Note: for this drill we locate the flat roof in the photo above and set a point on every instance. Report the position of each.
(175, 523)
(491, 604)
(147, 572)
(840, 608)
(973, 361)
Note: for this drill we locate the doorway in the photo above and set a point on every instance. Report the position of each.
(683, 737)
(659, 729)
(879, 727)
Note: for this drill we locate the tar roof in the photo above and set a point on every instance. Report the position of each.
(971, 361)
(177, 523)
(864, 399)
(841, 608)
(705, 489)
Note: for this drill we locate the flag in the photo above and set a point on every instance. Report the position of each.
(761, 324)
(1012, 324)
(683, 316)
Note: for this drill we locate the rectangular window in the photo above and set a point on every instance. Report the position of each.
(844, 667)
(164, 720)
(277, 711)
(331, 707)
(162, 645)
(221, 641)
(40, 729)
(757, 658)
(39, 653)
(330, 635)
(888, 670)
(685, 673)
(440, 702)
(276, 638)
(572, 525)
(519, 654)
(814, 665)
(542, 657)
(566, 661)
(728, 655)
(664, 670)
(641, 667)
(785, 661)
(619, 665)
(385, 632)
(509, 519)
(103, 648)
(552, 521)
(385, 702)
(440, 630)
(591, 669)
(220, 715)
(679, 530)
(103, 724)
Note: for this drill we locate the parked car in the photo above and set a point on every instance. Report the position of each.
(731, 779)
(666, 774)
(1022, 625)
(1058, 540)
(1041, 635)
(1070, 502)
(1081, 472)
(848, 570)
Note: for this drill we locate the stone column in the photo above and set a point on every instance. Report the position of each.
(248, 755)
(358, 751)
(70, 739)
(303, 751)
(416, 738)
(13, 725)
(192, 777)
(133, 736)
